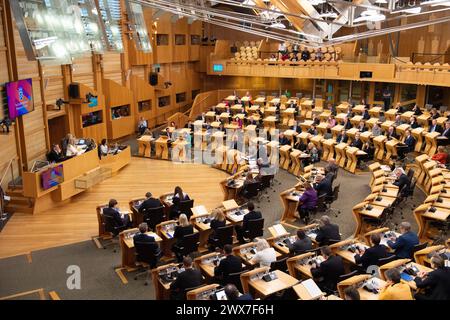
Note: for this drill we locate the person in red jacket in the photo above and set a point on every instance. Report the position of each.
(440, 156)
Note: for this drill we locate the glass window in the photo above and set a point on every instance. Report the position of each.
(195, 39)
(384, 90)
(145, 105)
(162, 39)
(408, 92)
(92, 118)
(180, 40)
(163, 101)
(120, 112)
(181, 97)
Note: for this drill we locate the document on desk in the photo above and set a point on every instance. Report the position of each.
(312, 288)
(279, 230)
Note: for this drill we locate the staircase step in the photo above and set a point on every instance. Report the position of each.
(13, 208)
(14, 193)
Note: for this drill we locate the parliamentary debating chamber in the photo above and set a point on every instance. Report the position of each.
(225, 150)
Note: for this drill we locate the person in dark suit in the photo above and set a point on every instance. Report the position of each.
(347, 124)
(361, 127)
(402, 181)
(142, 237)
(413, 124)
(329, 270)
(369, 257)
(434, 114)
(390, 133)
(301, 245)
(149, 203)
(55, 155)
(112, 211)
(218, 221)
(315, 120)
(409, 141)
(332, 109)
(327, 231)
(446, 131)
(416, 110)
(350, 113)
(183, 228)
(436, 283)
(404, 245)
(189, 278)
(312, 130)
(357, 143)
(231, 264)
(233, 293)
(284, 140)
(366, 115)
(435, 127)
(342, 137)
(324, 185)
(251, 215)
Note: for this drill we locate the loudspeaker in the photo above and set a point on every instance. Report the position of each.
(365, 74)
(153, 78)
(74, 91)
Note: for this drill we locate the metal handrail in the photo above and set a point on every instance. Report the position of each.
(9, 166)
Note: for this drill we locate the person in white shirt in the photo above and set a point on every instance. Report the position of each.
(104, 148)
(265, 255)
(72, 149)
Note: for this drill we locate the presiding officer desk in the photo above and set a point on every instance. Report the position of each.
(79, 173)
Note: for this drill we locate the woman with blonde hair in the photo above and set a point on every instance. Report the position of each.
(184, 228)
(71, 149)
(218, 220)
(265, 255)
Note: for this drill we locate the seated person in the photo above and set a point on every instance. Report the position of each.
(183, 228)
(444, 138)
(395, 289)
(416, 110)
(189, 278)
(357, 143)
(413, 124)
(398, 120)
(233, 293)
(313, 152)
(142, 125)
(301, 245)
(315, 120)
(218, 221)
(178, 193)
(361, 127)
(307, 201)
(265, 254)
(230, 264)
(300, 145)
(366, 115)
(410, 143)
(436, 284)
(370, 257)
(351, 293)
(369, 149)
(5, 124)
(390, 133)
(329, 270)
(143, 237)
(327, 231)
(251, 215)
(149, 203)
(283, 140)
(103, 148)
(72, 149)
(312, 130)
(332, 167)
(376, 130)
(435, 127)
(434, 113)
(441, 156)
(55, 155)
(112, 211)
(324, 185)
(331, 122)
(342, 137)
(404, 245)
(347, 124)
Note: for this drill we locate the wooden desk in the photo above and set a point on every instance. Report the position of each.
(402, 264)
(328, 149)
(422, 256)
(390, 114)
(431, 143)
(162, 148)
(343, 249)
(340, 154)
(144, 144)
(300, 266)
(304, 293)
(127, 247)
(379, 142)
(134, 205)
(417, 133)
(252, 279)
(290, 199)
(179, 150)
(359, 281)
(269, 122)
(202, 293)
(284, 156)
(391, 148)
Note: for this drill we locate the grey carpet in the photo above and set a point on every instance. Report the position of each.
(98, 278)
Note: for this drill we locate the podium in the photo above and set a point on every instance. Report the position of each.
(417, 133)
(365, 136)
(179, 150)
(328, 149)
(391, 148)
(162, 148)
(390, 114)
(269, 122)
(352, 158)
(401, 129)
(431, 143)
(371, 122)
(296, 164)
(340, 154)
(285, 157)
(144, 144)
(378, 143)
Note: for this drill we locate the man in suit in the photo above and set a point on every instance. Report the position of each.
(143, 237)
(366, 115)
(301, 245)
(347, 124)
(327, 231)
(357, 143)
(342, 137)
(362, 127)
(369, 257)
(332, 167)
(231, 264)
(329, 270)
(435, 283)
(251, 215)
(55, 155)
(112, 211)
(149, 203)
(444, 138)
(402, 181)
(404, 245)
(284, 140)
(189, 278)
(324, 185)
(233, 293)
(435, 127)
(409, 141)
(390, 133)
(416, 110)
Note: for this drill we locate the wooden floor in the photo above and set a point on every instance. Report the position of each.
(76, 221)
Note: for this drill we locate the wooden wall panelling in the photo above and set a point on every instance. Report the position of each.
(117, 95)
(164, 53)
(83, 72)
(112, 66)
(195, 29)
(143, 91)
(180, 52)
(9, 151)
